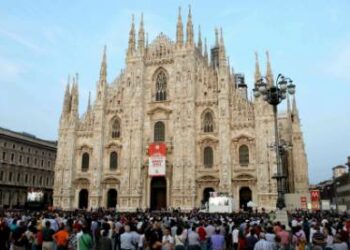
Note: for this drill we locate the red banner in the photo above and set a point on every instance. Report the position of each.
(315, 199)
(157, 159)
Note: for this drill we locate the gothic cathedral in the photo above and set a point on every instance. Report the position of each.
(178, 94)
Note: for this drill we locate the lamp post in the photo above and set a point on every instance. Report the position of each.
(274, 95)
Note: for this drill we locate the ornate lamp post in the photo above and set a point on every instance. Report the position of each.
(274, 95)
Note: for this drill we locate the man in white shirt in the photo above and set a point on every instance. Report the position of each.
(235, 233)
(167, 240)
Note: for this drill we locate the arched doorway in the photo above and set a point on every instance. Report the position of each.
(112, 196)
(83, 198)
(206, 194)
(245, 195)
(158, 193)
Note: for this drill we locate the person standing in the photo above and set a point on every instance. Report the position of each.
(48, 232)
(193, 239)
(235, 233)
(263, 244)
(61, 238)
(85, 240)
(167, 240)
(252, 239)
(126, 239)
(105, 243)
(202, 236)
(217, 240)
(284, 236)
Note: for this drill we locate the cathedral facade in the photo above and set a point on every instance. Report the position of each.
(178, 94)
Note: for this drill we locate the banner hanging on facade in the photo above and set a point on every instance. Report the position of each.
(315, 199)
(303, 202)
(157, 158)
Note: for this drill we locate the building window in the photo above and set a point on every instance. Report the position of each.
(33, 179)
(42, 163)
(49, 164)
(159, 131)
(208, 123)
(12, 157)
(26, 178)
(35, 161)
(244, 155)
(161, 83)
(13, 146)
(115, 128)
(10, 176)
(20, 159)
(85, 162)
(47, 181)
(3, 156)
(41, 180)
(21, 148)
(113, 161)
(28, 150)
(1, 176)
(18, 177)
(27, 160)
(208, 157)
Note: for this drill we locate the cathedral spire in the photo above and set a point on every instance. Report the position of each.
(189, 28)
(67, 98)
(89, 102)
(216, 37)
(132, 38)
(200, 46)
(141, 41)
(103, 70)
(257, 75)
(222, 52)
(295, 111)
(288, 106)
(179, 30)
(269, 75)
(75, 96)
(205, 50)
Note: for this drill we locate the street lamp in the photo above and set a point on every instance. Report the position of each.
(274, 95)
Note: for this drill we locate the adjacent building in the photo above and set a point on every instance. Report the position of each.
(176, 96)
(336, 191)
(26, 165)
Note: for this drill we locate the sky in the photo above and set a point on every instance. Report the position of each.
(41, 42)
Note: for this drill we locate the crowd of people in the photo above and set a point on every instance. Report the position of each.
(108, 230)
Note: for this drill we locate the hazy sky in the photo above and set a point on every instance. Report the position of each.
(42, 41)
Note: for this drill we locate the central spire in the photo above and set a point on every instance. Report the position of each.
(257, 75)
(103, 70)
(189, 28)
(141, 41)
(200, 46)
(132, 37)
(269, 75)
(179, 30)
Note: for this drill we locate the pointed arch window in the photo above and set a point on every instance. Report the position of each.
(243, 155)
(208, 123)
(115, 128)
(161, 86)
(159, 131)
(113, 161)
(85, 162)
(208, 157)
